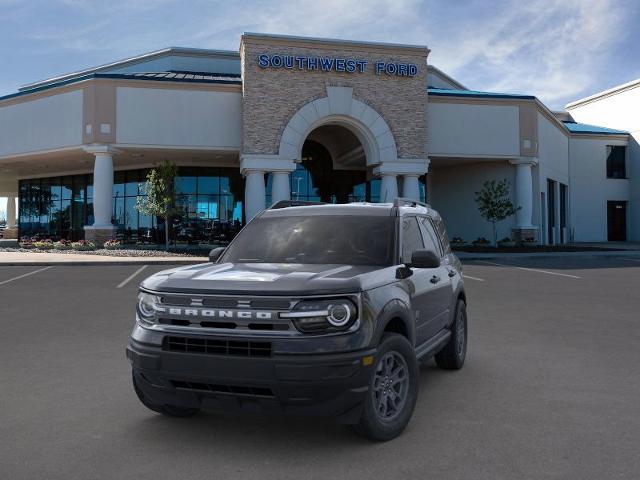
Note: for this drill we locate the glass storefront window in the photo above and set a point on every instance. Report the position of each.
(209, 202)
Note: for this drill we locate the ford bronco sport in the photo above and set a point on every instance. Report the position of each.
(312, 309)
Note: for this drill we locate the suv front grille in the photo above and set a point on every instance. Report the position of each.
(228, 389)
(217, 346)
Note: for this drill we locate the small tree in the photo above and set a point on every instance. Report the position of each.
(494, 203)
(160, 193)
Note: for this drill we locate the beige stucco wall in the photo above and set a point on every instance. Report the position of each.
(272, 96)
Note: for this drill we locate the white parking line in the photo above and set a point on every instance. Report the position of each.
(473, 278)
(529, 269)
(25, 275)
(131, 277)
(632, 259)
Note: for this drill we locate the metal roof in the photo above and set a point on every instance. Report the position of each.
(175, 75)
(132, 61)
(445, 92)
(575, 127)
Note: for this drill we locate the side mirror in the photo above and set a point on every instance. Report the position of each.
(214, 254)
(424, 259)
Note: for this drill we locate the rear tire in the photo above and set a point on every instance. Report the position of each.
(452, 356)
(393, 390)
(168, 410)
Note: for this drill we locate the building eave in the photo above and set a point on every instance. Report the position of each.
(603, 94)
(115, 76)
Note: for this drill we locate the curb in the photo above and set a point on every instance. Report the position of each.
(593, 254)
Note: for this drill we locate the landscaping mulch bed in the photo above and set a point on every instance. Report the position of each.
(120, 252)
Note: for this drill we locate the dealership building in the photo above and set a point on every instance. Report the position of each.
(309, 119)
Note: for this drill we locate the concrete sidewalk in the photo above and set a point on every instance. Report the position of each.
(37, 259)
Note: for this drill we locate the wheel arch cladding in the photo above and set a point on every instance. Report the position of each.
(395, 317)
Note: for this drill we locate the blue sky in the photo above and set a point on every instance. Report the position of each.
(558, 50)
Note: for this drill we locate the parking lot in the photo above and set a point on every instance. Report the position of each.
(551, 388)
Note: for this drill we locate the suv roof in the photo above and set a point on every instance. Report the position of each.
(286, 208)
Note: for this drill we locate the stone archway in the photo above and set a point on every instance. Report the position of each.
(340, 108)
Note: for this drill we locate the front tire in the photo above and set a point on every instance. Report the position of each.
(452, 356)
(168, 410)
(393, 390)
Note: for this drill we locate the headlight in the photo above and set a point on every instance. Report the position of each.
(323, 316)
(147, 305)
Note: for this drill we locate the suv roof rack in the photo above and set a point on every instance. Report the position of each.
(408, 202)
(294, 203)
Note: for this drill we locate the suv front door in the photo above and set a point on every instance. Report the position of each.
(424, 285)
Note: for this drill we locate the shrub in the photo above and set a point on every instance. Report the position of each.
(505, 240)
(457, 240)
(83, 245)
(481, 241)
(62, 245)
(26, 242)
(112, 244)
(43, 244)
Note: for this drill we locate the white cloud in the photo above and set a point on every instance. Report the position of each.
(553, 49)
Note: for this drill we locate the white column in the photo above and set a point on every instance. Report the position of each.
(11, 212)
(524, 192)
(280, 187)
(102, 190)
(388, 188)
(411, 187)
(254, 193)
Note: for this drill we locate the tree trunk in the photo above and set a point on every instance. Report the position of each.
(166, 234)
(495, 234)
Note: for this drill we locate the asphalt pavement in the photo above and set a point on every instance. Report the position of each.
(550, 389)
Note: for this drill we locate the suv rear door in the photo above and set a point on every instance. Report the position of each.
(441, 296)
(424, 285)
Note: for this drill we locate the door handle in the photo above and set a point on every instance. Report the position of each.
(435, 279)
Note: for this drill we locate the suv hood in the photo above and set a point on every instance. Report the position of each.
(270, 279)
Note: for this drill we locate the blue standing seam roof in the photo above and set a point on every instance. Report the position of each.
(150, 76)
(446, 92)
(575, 127)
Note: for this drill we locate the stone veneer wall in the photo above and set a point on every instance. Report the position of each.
(271, 96)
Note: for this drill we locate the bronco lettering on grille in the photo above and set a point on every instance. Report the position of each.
(214, 313)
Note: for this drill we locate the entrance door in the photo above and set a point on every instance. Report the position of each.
(617, 221)
(543, 218)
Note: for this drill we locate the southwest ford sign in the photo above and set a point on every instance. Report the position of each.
(335, 64)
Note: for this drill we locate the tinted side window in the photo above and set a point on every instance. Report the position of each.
(430, 237)
(442, 233)
(411, 238)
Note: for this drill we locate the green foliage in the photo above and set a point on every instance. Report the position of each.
(160, 192)
(494, 203)
(160, 199)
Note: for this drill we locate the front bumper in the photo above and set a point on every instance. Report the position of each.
(327, 384)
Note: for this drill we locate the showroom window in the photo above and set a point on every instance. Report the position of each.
(208, 204)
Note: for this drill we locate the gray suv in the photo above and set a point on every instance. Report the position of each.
(313, 309)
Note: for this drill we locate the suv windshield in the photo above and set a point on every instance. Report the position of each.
(318, 239)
